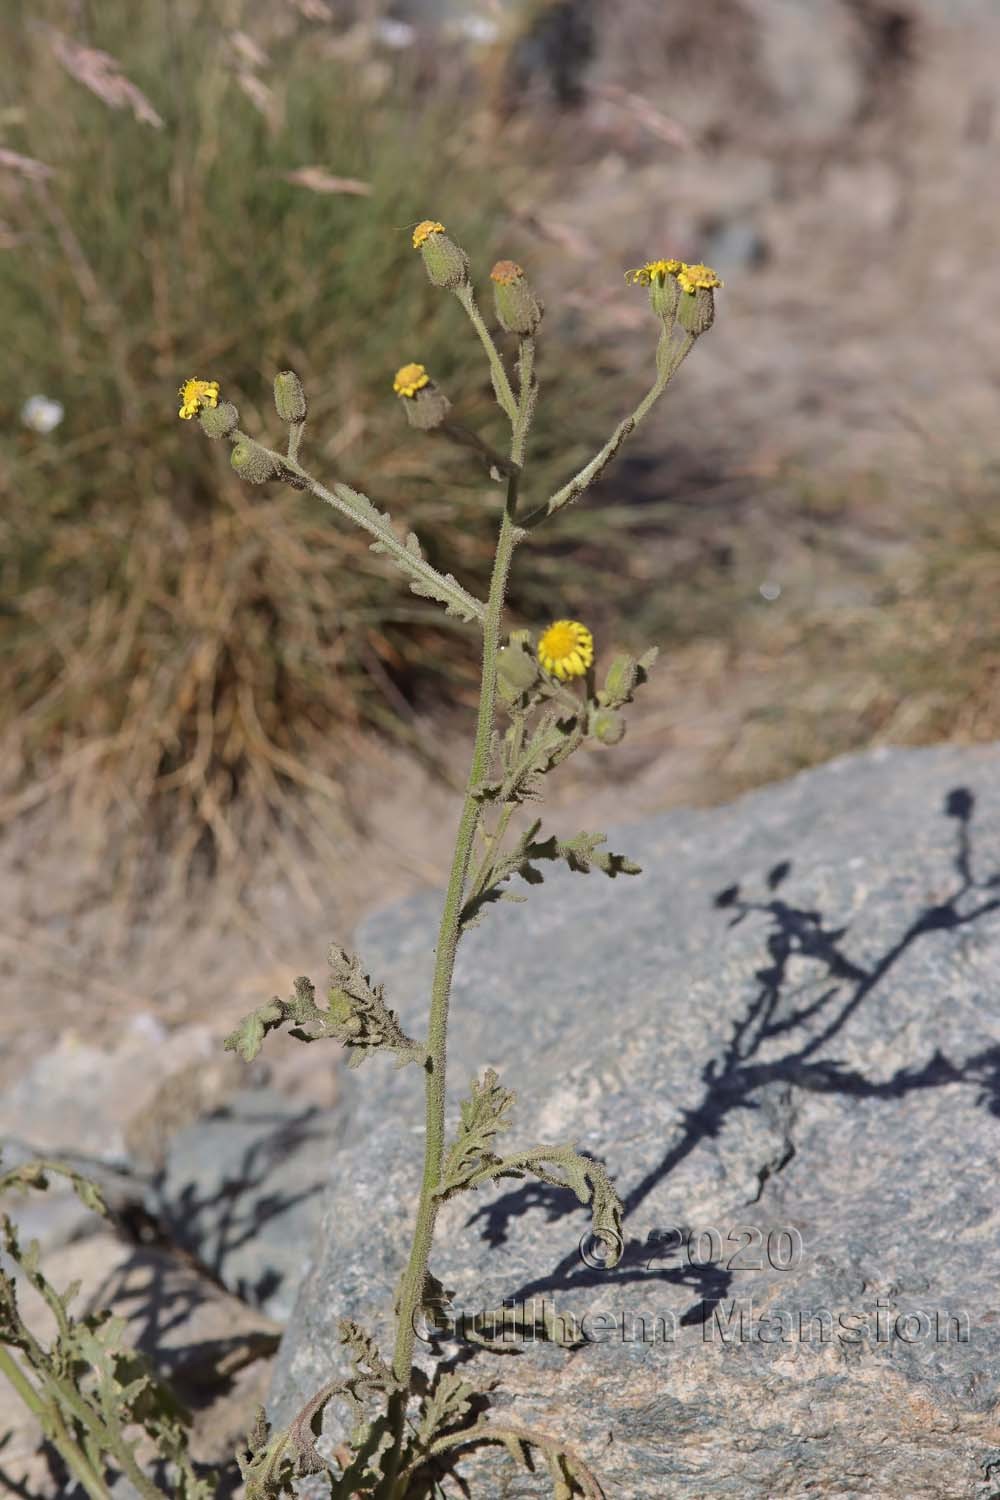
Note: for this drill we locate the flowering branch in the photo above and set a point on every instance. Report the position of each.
(668, 363)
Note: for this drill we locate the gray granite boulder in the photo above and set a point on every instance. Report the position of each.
(784, 1042)
(240, 1190)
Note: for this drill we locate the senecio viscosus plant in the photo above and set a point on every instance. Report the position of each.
(408, 1428)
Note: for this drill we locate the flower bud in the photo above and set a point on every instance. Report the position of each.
(608, 726)
(518, 309)
(219, 421)
(289, 397)
(516, 672)
(696, 305)
(427, 409)
(696, 310)
(252, 462)
(620, 681)
(445, 263)
(661, 278)
(663, 298)
(425, 405)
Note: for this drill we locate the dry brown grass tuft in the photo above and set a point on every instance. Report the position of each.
(177, 654)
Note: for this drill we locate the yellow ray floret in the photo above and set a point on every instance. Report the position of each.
(566, 649)
(195, 394)
(424, 230)
(410, 379)
(697, 278)
(654, 270)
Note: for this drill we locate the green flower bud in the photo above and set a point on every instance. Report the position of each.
(696, 307)
(681, 290)
(289, 397)
(661, 278)
(518, 309)
(252, 462)
(620, 681)
(608, 726)
(696, 310)
(516, 672)
(664, 294)
(446, 264)
(219, 421)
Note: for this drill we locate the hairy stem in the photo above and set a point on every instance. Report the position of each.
(294, 439)
(437, 1033)
(362, 512)
(501, 385)
(414, 1278)
(668, 362)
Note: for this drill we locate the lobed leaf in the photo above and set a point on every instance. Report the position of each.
(356, 1015)
(484, 1116)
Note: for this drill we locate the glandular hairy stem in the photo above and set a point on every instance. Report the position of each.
(670, 357)
(447, 944)
(412, 1289)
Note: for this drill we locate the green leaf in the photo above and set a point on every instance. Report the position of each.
(355, 1015)
(359, 1016)
(533, 1320)
(248, 1038)
(447, 1404)
(581, 853)
(471, 1162)
(89, 1194)
(485, 1115)
(408, 555)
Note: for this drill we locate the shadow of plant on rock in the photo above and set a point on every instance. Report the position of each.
(739, 1078)
(213, 1223)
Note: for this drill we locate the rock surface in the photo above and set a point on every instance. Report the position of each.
(783, 1040)
(241, 1190)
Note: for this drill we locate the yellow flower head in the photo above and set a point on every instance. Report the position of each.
(566, 649)
(410, 379)
(654, 270)
(424, 230)
(195, 394)
(697, 278)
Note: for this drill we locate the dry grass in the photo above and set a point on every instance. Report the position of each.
(901, 648)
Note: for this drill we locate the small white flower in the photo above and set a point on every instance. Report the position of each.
(42, 414)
